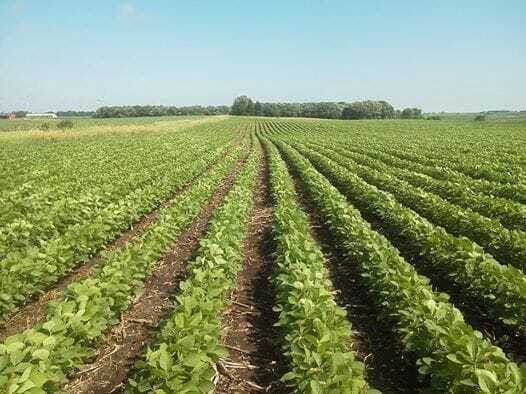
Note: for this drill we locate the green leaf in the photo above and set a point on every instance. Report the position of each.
(41, 354)
(165, 360)
(13, 347)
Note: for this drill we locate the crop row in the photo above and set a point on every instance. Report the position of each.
(62, 202)
(460, 190)
(39, 359)
(511, 214)
(449, 351)
(24, 275)
(316, 334)
(472, 166)
(93, 166)
(33, 164)
(390, 146)
(508, 246)
(24, 235)
(487, 160)
(462, 264)
(184, 354)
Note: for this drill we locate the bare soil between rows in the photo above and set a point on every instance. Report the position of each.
(139, 324)
(256, 362)
(35, 311)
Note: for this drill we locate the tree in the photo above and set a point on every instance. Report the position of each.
(271, 109)
(21, 114)
(411, 113)
(258, 109)
(407, 113)
(328, 110)
(159, 110)
(369, 110)
(386, 110)
(242, 106)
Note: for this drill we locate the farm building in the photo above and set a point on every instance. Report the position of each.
(46, 115)
(11, 116)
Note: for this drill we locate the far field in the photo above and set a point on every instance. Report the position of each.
(249, 255)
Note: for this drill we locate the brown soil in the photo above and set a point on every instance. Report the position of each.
(375, 344)
(138, 325)
(32, 313)
(256, 363)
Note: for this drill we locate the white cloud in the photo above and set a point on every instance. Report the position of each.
(128, 10)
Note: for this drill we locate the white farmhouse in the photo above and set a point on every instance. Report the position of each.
(47, 115)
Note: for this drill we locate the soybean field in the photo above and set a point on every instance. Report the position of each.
(263, 255)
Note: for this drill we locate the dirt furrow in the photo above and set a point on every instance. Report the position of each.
(256, 363)
(139, 324)
(35, 311)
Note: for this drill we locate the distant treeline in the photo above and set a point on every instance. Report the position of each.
(159, 110)
(75, 113)
(369, 109)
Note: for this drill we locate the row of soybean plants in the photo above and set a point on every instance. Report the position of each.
(450, 353)
(316, 334)
(507, 207)
(317, 337)
(508, 246)
(447, 184)
(62, 202)
(474, 162)
(477, 173)
(183, 356)
(35, 161)
(512, 191)
(489, 155)
(457, 262)
(40, 359)
(390, 144)
(510, 213)
(29, 271)
(27, 231)
(70, 166)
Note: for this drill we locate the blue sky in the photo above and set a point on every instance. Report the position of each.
(437, 55)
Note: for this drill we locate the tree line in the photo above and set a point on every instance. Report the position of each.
(75, 113)
(243, 105)
(159, 110)
(368, 109)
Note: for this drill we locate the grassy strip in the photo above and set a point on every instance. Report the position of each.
(454, 356)
(183, 357)
(317, 335)
(39, 359)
